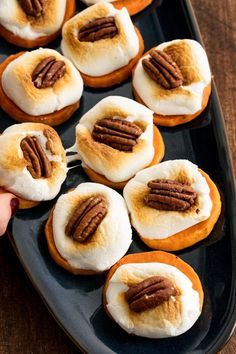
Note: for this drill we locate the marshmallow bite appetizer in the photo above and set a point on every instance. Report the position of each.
(40, 86)
(32, 163)
(33, 23)
(172, 205)
(174, 81)
(88, 230)
(132, 6)
(116, 139)
(103, 44)
(153, 294)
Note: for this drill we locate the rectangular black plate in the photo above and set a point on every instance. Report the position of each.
(75, 302)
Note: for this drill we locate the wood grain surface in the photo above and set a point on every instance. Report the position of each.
(217, 24)
(25, 324)
(216, 20)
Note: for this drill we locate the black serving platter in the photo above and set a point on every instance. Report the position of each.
(75, 302)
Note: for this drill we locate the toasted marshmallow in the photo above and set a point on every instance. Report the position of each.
(192, 60)
(159, 224)
(15, 20)
(106, 55)
(111, 239)
(14, 175)
(171, 318)
(115, 165)
(18, 85)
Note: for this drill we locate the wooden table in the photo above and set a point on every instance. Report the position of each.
(25, 324)
(216, 20)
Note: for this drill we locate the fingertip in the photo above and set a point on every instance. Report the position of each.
(14, 203)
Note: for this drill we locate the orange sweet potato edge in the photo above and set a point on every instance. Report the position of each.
(132, 6)
(16, 113)
(195, 233)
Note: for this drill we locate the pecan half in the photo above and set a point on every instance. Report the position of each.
(47, 72)
(38, 163)
(86, 219)
(33, 8)
(166, 194)
(118, 133)
(162, 69)
(150, 293)
(100, 28)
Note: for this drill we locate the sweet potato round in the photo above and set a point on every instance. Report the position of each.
(174, 120)
(52, 119)
(132, 6)
(41, 41)
(56, 255)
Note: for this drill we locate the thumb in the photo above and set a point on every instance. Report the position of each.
(8, 207)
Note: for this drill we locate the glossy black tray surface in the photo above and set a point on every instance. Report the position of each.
(75, 302)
